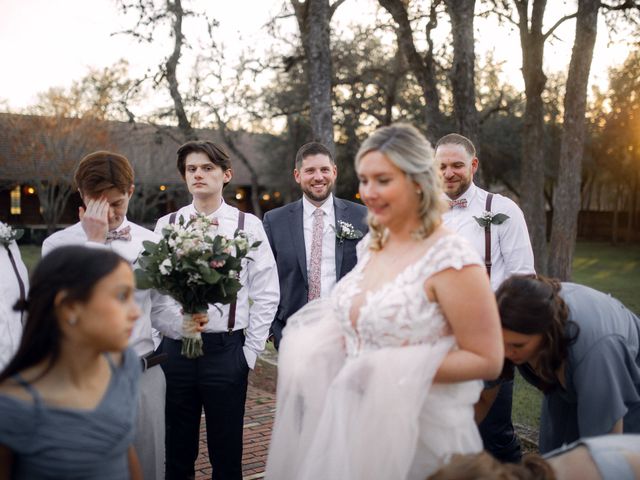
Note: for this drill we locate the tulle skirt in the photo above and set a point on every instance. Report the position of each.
(372, 416)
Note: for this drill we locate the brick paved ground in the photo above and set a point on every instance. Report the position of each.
(258, 421)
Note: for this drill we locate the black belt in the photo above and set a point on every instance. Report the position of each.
(152, 359)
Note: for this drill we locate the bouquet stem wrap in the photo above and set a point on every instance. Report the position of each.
(191, 338)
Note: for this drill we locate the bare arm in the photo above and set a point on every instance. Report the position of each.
(618, 427)
(135, 471)
(482, 407)
(6, 462)
(469, 305)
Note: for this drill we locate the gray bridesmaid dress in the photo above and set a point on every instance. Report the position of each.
(60, 443)
(602, 371)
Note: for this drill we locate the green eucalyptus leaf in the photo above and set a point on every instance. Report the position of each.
(499, 218)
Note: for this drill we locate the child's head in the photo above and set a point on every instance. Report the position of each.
(78, 295)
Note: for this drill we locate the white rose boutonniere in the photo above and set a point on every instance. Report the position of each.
(488, 218)
(346, 231)
(8, 234)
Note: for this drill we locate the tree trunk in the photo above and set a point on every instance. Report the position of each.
(228, 139)
(633, 198)
(423, 68)
(175, 7)
(462, 74)
(566, 199)
(313, 18)
(532, 177)
(616, 214)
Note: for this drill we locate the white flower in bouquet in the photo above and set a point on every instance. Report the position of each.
(9, 234)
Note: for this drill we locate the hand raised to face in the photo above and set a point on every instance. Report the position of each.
(95, 219)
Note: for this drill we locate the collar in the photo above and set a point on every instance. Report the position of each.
(125, 223)
(218, 213)
(327, 207)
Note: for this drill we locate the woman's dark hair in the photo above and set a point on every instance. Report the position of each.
(532, 305)
(73, 269)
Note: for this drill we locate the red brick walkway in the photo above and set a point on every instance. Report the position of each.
(258, 421)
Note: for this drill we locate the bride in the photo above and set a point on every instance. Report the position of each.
(379, 381)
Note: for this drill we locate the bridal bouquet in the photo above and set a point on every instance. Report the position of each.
(195, 266)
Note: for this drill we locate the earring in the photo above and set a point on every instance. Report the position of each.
(419, 192)
(72, 320)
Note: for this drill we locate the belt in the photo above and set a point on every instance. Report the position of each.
(152, 359)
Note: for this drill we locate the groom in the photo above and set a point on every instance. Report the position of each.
(313, 239)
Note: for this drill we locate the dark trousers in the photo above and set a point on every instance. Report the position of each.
(216, 381)
(498, 435)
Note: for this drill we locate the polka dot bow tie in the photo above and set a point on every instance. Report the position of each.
(460, 203)
(124, 234)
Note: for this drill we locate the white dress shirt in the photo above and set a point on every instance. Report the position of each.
(10, 320)
(328, 264)
(156, 309)
(259, 296)
(511, 251)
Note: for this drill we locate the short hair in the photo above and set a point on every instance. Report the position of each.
(411, 152)
(457, 139)
(482, 466)
(312, 148)
(216, 154)
(102, 170)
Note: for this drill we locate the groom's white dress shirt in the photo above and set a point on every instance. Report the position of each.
(258, 298)
(511, 251)
(328, 264)
(10, 320)
(156, 309)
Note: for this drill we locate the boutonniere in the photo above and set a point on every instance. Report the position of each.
(488, 218)
(8, 234)
(346, 231)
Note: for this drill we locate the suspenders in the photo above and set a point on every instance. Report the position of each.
(487, 237)
(232, 308)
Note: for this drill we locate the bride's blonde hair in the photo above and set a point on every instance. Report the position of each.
(412, 153)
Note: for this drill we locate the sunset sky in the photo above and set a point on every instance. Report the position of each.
(52, 43)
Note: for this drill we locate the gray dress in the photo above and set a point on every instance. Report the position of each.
(60, 443)
(602, 372)
(608, 453)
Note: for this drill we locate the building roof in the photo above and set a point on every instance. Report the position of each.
(43, 146)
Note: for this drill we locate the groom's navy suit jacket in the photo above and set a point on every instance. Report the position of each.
(285, 231)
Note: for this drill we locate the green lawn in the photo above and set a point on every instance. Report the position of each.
(614, 270)
(30, 255)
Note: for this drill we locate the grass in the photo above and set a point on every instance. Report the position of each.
(30, 255)
(614, 270)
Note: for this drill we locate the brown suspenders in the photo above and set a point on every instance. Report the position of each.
(232, 308)
(487, 237)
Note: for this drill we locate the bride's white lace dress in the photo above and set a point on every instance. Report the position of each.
(355, 397)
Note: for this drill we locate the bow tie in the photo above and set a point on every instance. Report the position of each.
(214, 221)
(460, 203)
(124, 234)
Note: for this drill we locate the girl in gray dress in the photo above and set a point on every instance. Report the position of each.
(67, 407)
(581, 348)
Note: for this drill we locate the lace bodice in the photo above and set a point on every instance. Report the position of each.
(399, 312)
